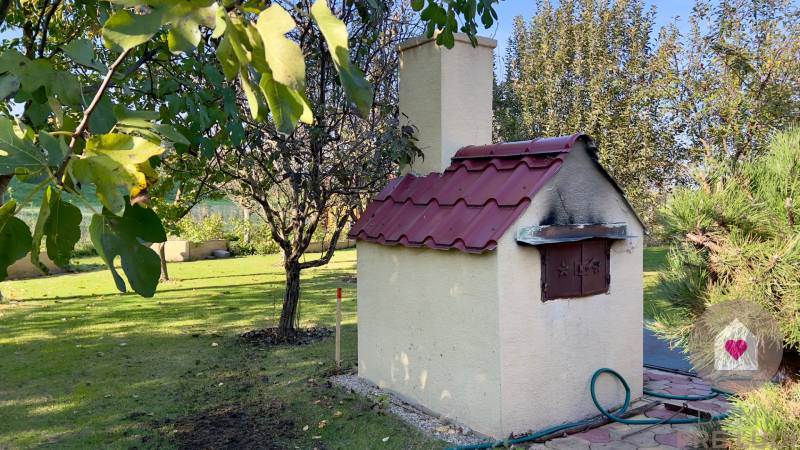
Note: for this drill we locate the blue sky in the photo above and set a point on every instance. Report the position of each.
(666, 11)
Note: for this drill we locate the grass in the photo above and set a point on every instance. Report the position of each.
(83, 366)
(655, 259)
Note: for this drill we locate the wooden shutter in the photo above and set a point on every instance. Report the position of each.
(575, 269)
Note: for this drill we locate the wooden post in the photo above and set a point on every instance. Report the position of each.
(338, 327)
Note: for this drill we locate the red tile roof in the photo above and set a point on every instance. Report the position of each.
(469, 206)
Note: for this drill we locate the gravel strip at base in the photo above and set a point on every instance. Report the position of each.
(436, 427)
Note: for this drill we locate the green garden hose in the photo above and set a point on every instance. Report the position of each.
(614, 416)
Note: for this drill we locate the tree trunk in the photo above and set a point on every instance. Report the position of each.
(162, 255)
(291, 299)
(5, 180)
(246, 217)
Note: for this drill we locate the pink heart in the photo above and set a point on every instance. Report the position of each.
(736, 348)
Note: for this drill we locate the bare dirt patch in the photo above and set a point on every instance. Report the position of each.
(271, 336)
(234, 426)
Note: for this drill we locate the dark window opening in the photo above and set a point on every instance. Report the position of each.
(575, 269)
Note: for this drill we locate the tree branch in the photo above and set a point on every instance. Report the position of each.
(87, 114)
(46, 26)
(331, 247)
(4, 6)
(704, 241)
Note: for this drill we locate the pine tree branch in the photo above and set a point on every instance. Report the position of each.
(704, 241)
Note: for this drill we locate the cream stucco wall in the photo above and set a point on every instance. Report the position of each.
(447, 95)
(549, 350)
(428, 329)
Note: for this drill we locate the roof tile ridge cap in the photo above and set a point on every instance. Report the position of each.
(531, 148)
(520, 159)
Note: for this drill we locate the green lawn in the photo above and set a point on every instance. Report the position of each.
(655, 259)
(83, 366)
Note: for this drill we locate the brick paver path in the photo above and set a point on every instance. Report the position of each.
(617, 436)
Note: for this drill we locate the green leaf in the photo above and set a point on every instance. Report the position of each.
(9, 85)
(170, 133)
(61, 222)
(284, 57)
(63, 229)
(38, 231)
(38, 113)
(258, 110)
(18, 155)
(227, 58)
(126, 30)
(357, 88)
(186, 18)
(12, 61)
(220, 24)
(36, 74)
(287, 105)
(56, 148)
(82, 52)
(115, 236)
(102, 120)
(15, 238)
(141, 122)
(417, 5)
(115, 162)
(121, 112)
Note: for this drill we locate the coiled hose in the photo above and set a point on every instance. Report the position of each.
(614, 416)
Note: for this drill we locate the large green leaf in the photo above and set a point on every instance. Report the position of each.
(258, 110)
(283, 55)
(227, 58)
(18, 155)
(9, 85)
(38, 230)
(186, 18)
(126, 30)
(82, 52)
(122, 237)
(60, 221)
(102, 120)
(141, 122)
(287, 105)
(15, 238)
(56, 148)
(115, 162)
(357, 88)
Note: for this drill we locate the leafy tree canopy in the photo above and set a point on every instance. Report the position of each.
(83, 72)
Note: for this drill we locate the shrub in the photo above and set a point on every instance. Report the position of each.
(83, 249)
(767, 418)
(248, 238)
(204, 229)
(736, 235)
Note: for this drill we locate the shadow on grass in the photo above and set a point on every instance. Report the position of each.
(119, 371)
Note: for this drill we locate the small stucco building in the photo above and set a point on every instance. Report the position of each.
(494, 279)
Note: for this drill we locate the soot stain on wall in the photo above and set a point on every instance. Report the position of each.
(561, 212)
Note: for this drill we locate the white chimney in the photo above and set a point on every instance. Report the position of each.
(447, 95)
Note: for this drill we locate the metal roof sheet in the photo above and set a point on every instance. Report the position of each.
(471, 204)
